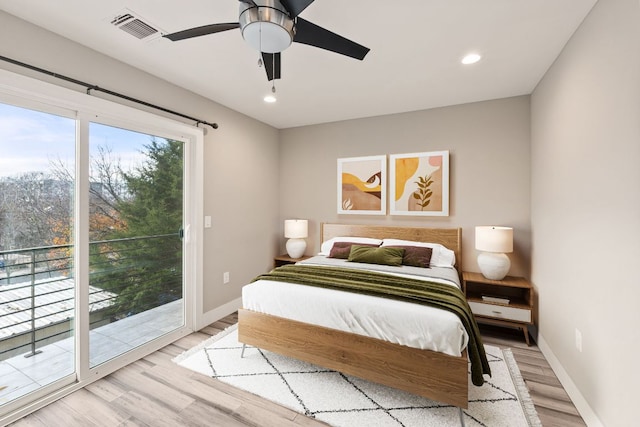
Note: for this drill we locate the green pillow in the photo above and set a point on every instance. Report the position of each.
(416, 256)
(369, 255)
(343, 249)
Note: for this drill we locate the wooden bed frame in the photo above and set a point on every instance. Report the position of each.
(427, 373)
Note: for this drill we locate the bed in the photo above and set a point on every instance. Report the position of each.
(438, 372)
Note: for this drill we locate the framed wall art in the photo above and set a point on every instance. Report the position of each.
(419, 184)
(362, 185)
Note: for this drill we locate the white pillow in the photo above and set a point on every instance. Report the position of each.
(441, 256)
(325, 248)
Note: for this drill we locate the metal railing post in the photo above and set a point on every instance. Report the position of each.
(33, 306)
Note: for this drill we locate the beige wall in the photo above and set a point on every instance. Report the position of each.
(489, 168)
(563, 172)
(240, 164)
(586, 209)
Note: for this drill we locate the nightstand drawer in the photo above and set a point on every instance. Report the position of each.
(501, 312)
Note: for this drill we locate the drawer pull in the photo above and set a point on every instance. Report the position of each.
(496, 312)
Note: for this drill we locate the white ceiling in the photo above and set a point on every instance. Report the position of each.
(414, 63)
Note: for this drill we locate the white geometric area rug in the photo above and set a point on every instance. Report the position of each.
(346, 401)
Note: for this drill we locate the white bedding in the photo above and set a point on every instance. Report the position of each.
(404, 323)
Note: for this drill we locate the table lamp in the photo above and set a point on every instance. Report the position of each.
(296, 231)
(494, 242)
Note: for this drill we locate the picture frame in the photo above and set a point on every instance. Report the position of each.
(419, 184)
(362, 185)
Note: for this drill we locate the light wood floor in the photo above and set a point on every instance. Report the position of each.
(156, 392)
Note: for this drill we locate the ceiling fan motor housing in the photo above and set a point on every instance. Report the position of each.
(266, 26)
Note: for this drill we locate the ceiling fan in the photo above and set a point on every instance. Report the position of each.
(270, 26)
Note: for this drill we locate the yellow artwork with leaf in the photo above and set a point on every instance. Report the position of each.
(420, 184)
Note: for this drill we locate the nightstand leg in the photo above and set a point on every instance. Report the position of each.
(526, 335)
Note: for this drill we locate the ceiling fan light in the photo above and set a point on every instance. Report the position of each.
(267, 37)
(267, 28)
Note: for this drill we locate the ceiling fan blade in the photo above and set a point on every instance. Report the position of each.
(295, 7)
(271, 63)
(313, 35)
(201, 31)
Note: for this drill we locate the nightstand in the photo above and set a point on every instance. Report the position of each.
(285, 259)
(506, 302)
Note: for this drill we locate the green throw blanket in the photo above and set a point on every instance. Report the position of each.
(438, 295)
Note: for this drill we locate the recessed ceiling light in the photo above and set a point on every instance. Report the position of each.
(271, 97)
(472, 58)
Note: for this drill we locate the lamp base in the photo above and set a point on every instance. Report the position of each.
(494, 266)
(296, 248)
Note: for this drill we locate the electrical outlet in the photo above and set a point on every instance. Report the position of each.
(225, 277)
(579, 340)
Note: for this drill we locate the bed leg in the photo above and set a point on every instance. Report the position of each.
(461, 412)
(243, 347)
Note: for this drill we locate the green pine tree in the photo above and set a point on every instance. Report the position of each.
(146, 273)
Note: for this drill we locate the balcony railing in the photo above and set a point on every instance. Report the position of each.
(127, 276)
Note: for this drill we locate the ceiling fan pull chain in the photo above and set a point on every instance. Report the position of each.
(273, 68)
(260, 53)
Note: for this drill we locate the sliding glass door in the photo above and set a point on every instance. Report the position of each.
(37, 286)
(94, 257)
(135, 239)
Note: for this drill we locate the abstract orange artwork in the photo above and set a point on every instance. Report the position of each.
(362, 185)
(419, 184)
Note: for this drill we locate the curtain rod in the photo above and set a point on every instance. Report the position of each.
(91, 87)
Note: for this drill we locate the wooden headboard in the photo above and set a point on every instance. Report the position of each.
(449, 237)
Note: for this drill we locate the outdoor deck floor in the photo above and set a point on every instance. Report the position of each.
(21, 375)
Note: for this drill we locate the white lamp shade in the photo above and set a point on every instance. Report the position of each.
(296, 228)
(494, 239)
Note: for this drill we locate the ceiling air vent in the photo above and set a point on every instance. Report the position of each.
(134, 26)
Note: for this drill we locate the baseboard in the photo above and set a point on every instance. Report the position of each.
(218, 313)
(583, 407)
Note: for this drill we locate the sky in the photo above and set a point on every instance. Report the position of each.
(31, 140)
